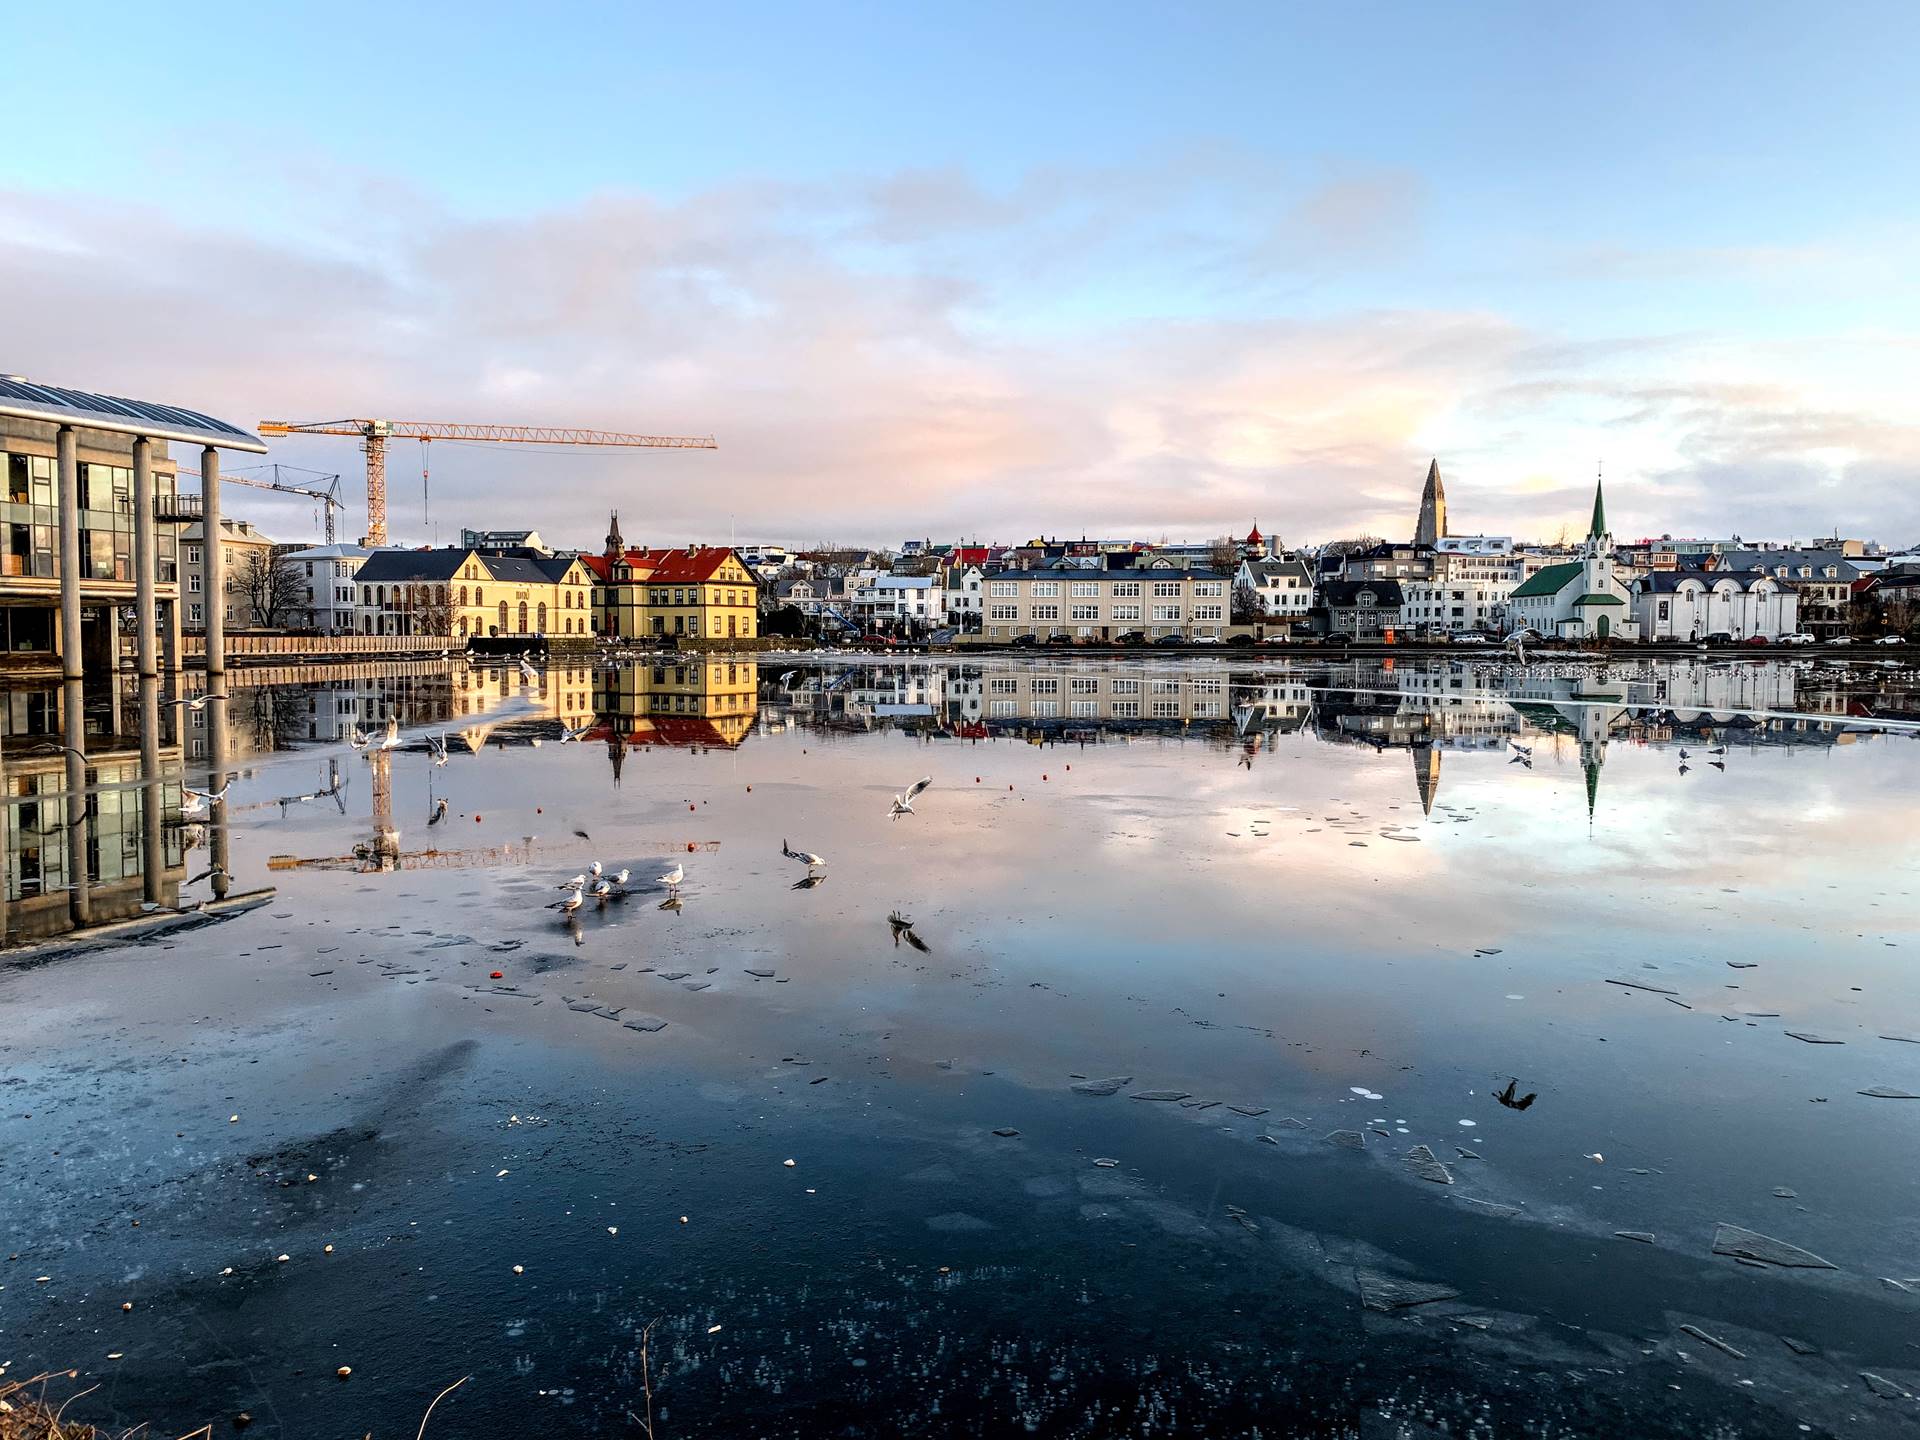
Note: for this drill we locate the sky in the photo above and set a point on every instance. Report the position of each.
(1000, 270)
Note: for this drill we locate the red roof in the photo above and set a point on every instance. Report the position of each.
(1254, 536)
(666, 567)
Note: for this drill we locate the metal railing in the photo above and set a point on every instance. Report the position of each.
(178, 509)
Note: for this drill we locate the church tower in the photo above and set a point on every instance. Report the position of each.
(1432, 524)
(615, 545)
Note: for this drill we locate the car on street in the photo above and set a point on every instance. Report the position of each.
(1131, 637)
(1171, 640)
(1890, 640)
(1756, 640)
(1204, 640)
(1800, 639)
(1839, 640)
(1022, 641)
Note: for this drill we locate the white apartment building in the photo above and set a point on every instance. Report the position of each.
(1695, 604)
(966, 596)
(1285, 586)
(1471, 587)
(326, 574)
(1106, 604)
(893, 599)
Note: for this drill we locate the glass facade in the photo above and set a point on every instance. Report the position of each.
(30, 525)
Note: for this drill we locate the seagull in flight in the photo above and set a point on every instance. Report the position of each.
(903, 804)
(358, 738)
(811, 860)
(903, 930)
(673, 877)
(391, 740)
(438, 744)
(199, 702)
(567, 736)
(527, 672)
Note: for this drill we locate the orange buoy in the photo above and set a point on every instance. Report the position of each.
(476, 819)
(496, 975)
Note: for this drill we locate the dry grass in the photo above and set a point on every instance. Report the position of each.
(26, 1412)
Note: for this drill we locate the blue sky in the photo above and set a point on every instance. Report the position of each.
(1009, 268)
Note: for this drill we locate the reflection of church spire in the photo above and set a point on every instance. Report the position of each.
(1592, 767)
(616, 752)
(1426, 774)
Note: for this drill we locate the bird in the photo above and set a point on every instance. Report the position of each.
(527, 672)
(903, 930)
(1523, 749)
(1718, 764)
(594, 869)
(674, 876)
(199, 702)
(568, 903)
(438, 744)
(212, 797)
(1506, 1096)
(1685, 768)
(439, 811)
(602, 889)
(809, 880)
(621, 877)
(391, 740)
(358, 738)
(903, 804)
(1718, 750)
(578, 882)
(812, 861)
(569, 736)
(1683, 753)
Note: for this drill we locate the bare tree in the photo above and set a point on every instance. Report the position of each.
(273, 587)
(430, 608)
(1248, 608)
(1223, 555)
(1351, 546)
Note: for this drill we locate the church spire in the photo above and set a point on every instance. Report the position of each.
(1599, 526)
(1432, 524)
(615, 544)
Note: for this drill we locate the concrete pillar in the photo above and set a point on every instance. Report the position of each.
(68, 450)
(144, 559)
(153, 795)
(218, 839)
(73, 699)
(216, 571)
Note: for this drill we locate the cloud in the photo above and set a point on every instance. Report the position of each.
(918, 354)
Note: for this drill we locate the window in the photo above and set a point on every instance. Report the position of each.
(1126, 687)
(1003, 612)
(1166, 709)
(193, 582)
(1084, 685)
(1126, 589)
(1209, 587)
(1002, 707)
(1083, 612)
(1166, 612)
(1049, 589)
(1126, 709)
(1209, 612)
(1166, 687)
(1046, 709)
(1004, 587)
(1003, 685)
(193, 554)
(1206, 709)
(1046, 612)
(1165, 589)
(1126, 612)
(1046, 685)
(1083, 709)
(1084, 588)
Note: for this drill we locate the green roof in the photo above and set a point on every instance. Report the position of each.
(1599, 600)
(1550, 581)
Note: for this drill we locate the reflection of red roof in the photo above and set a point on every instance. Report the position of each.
(666, 567)
(667, 730)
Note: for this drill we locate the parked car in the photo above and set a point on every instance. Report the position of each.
(1131, 637)
(1059, 637)
(1890, 640)
(1720, 637)
(1171, 640)
(1800, 639)
(1204, 640)
(1021, 641)
(1246, 640)
(880, 640)
(1471, 637)
(1756, 640)
(1839, 640)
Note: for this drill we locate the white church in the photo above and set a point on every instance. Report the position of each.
(1582, 599)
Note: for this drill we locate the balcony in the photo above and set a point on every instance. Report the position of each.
(178, 509)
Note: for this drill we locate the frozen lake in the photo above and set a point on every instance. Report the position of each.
(1585, 970)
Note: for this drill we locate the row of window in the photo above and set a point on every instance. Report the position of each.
(1090, 710)
(1092, 589)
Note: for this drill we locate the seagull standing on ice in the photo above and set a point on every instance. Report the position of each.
(673, 878)
(578, 882)
(621, 878)
(903, 804)
(568, 903)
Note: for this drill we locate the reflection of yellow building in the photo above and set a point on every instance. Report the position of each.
(709, 701)
(703, 592)
(564, 691)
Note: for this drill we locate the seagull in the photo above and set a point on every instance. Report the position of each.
(391, 740)
(674, 876)
(602, 889)
(903, 804)
(1506, 1096)
(1685, 768)
(438, 744)
(1523, 749)
(1718, 764)
(621, 878)
(809, 880)
(358, 738)
(577, 883)
(594, 869)
(199, 702)
(1684, 755)
(568, 736)
(568, 904)
(208, 796)
(527, 672)
(903, 930)
(1718, 750)
(813, 862)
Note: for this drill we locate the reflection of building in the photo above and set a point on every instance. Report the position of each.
(704, 701)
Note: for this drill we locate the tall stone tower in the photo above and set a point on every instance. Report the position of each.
(1433, 508)
(616, 544)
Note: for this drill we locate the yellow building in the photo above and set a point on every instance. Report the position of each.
(705, 700)
(702, 592)
(465, 593)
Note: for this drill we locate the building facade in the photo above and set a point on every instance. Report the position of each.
(1582, 599)
(241, 546)
(1702, 604)
(465, 594)
(1362, 610)
(1283, 588)
(329, 599)
(701, 592)
(1098, 605)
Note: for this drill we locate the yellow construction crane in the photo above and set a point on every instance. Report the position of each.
(374, 434)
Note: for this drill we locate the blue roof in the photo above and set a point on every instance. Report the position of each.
(21, 398)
